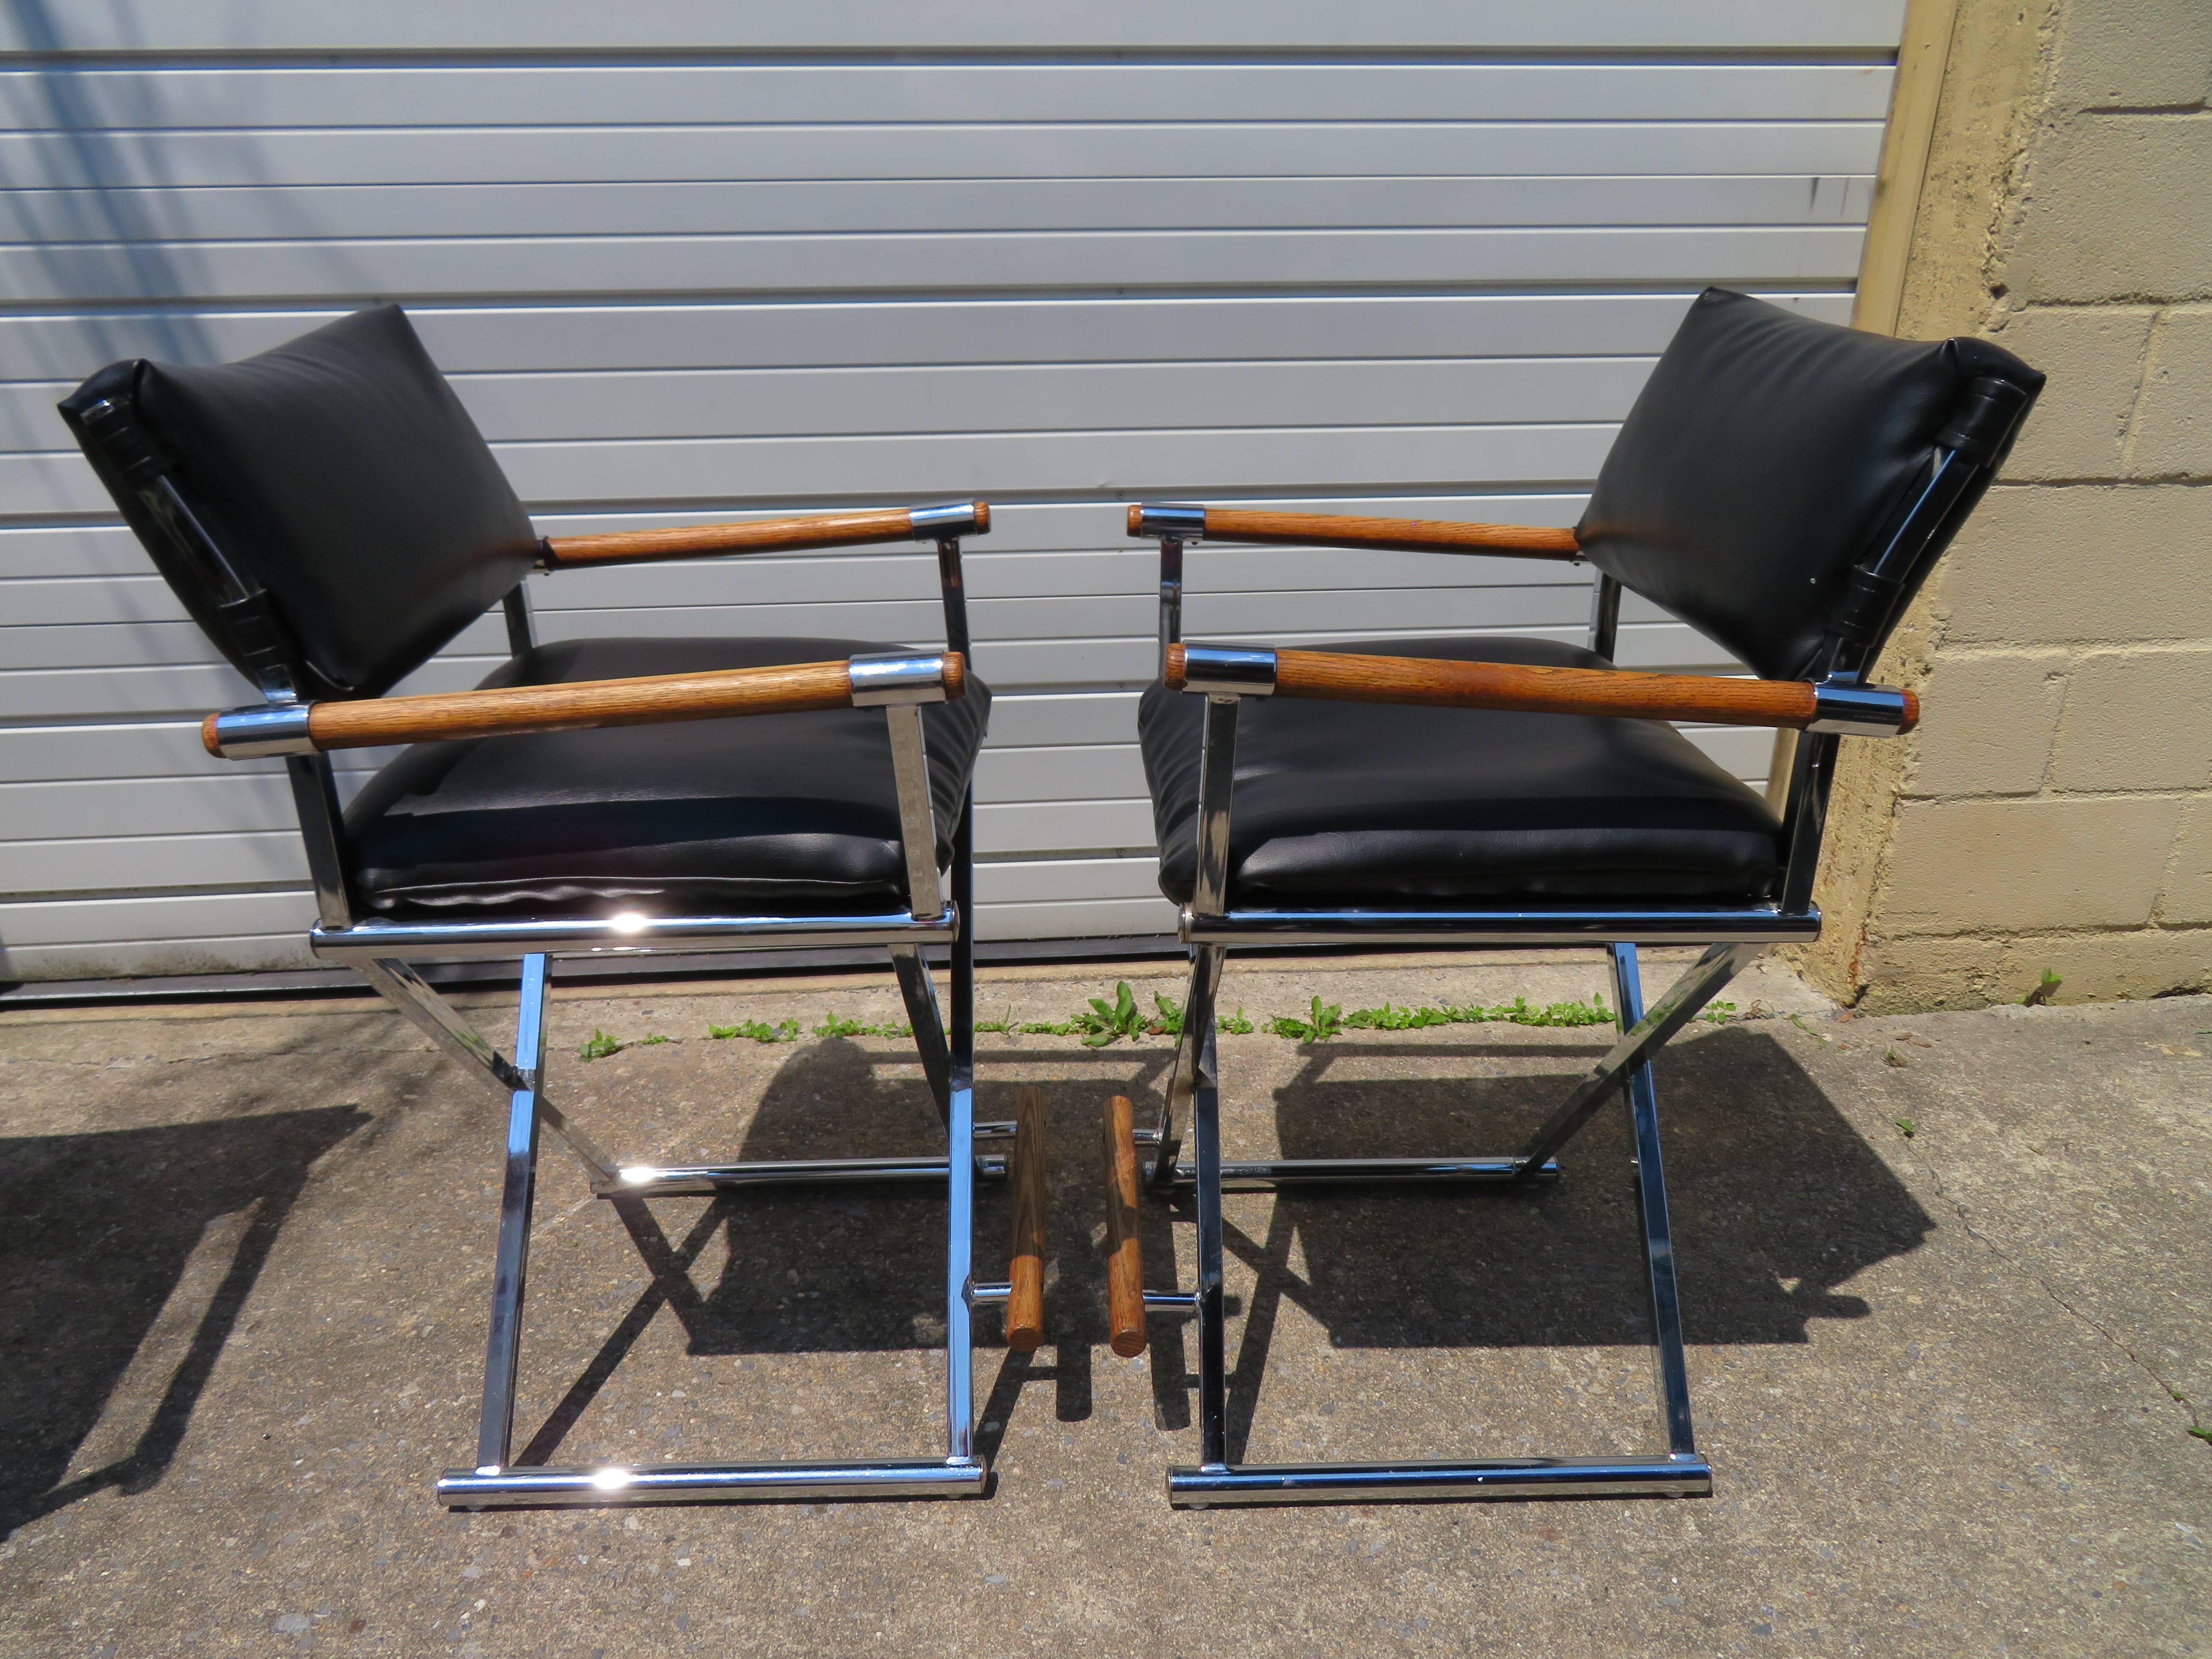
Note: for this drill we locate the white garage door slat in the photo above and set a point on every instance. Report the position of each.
(1410, 258)
(940, 332)
(830, 26)
(662, 94)
(1185, 149)
(705, 208)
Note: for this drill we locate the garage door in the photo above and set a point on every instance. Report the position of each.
(689, 261)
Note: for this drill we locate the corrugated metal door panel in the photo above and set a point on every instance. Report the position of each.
(1361, 259)
(1032, 26)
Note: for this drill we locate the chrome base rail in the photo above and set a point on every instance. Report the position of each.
(1679, 1472)
(380, 952)
(1267, 1175)
(700, 1179)
(708, 1483)
(1473, 1479)
(578, 936)
(1759, 924)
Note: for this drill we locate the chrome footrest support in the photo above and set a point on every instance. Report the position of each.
(1680, 1471)
(696, 1482)
(1267, 1175)
(1687, 1476)
(701, 1180)
(948, 1061)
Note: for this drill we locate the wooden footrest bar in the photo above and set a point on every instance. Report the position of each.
(1025, 1246)
(1124, 1258)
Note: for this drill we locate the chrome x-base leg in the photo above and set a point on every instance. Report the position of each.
(495, 1481)
(1679, 1472)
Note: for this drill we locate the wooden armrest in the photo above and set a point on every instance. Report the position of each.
(1443, 683)
(1237, 524)
(694, 541)
(509, 710)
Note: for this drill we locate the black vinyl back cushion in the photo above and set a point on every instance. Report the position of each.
(340, 472)
(1767, 453)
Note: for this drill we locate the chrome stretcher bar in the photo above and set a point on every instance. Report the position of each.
(694, 1483)
(1762, 925)
(1687, 1476)
(421, 941)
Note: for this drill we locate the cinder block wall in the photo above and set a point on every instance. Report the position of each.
(2056, 812)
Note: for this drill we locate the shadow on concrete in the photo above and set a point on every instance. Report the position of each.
(860, 1269)
(1776, 1202)
(126, 1259)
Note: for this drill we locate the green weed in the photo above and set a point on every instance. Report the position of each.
(656, 1039)
(1906, 1127)
(1321, 1023)
(784, 1031)
(2041, 995)
(1519, 1012)
(599, 1046)
(836, 1025)
(1109, 1023)
(1388, 1018)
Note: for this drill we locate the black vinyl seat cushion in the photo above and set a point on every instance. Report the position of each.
(1362, 804)
(770, 814)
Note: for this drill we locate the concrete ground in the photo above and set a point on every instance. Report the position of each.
(1945, 1277)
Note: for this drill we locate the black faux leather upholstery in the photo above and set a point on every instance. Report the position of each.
(1766, 455)
(771, 814)
(340, 472)
(1360, 804)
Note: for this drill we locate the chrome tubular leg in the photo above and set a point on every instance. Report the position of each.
(963, 948)
(959, 1271)
(1689, 993)
(495, 1426)
(439, 1020)
(1658, 1234)
(1198, 1010)
(960, 1160)
(920, 993)
(1217, 783)
(1212, 1372)
(1171, 596)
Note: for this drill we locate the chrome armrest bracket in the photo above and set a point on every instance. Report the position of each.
(1844, 707)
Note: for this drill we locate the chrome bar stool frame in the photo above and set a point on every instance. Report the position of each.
(1831, 703)
(201, 559)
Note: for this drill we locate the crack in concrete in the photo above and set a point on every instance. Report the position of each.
(1966, 1221)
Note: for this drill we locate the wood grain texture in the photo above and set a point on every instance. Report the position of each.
(1025, 1241)
(1125, 1256)
(1237, 524)
(654, 700)
(1439, 683)
(694, 541)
